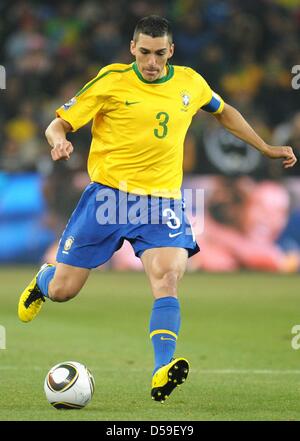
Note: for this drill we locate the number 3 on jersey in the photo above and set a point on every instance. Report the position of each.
(163, 119)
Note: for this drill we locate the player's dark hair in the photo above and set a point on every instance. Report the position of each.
(154, 26)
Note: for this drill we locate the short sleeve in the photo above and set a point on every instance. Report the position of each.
(84, 105)
(207, 99)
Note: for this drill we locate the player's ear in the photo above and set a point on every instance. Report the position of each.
(171, 51)
(133, 48)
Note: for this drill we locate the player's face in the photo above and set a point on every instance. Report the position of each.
(151, 55)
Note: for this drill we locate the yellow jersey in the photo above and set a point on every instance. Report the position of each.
(139, 126)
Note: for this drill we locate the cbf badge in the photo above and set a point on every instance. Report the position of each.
(185, 99)
(68, 243)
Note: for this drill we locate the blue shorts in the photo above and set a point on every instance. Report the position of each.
(105, 217)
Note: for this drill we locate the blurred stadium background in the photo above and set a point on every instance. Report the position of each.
(245, 50)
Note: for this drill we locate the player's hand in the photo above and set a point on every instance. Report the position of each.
(283, 152)
(62, 150)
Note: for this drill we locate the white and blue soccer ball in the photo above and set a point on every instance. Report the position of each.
(69, 385)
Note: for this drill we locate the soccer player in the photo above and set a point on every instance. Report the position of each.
(141, 113)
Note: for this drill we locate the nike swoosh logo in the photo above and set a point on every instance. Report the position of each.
(166, 338)
(175, 234)
(129, 103)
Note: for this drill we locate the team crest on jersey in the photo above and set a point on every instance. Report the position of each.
(69, 104)
(68, 243)
(185, 98)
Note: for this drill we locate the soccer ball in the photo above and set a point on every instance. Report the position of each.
(69, 385)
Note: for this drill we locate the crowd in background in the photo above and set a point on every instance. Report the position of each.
(244, 49)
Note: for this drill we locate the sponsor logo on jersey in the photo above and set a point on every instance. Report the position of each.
(129, 103)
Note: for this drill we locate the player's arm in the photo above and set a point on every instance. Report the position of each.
(75, 113)
(56, 136)
(235, 123)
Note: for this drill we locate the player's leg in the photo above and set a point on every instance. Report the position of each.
(86, 243)
(58, 282)
(165, 267)
(66, 282)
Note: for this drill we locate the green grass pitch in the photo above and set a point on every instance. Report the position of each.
(236, 333)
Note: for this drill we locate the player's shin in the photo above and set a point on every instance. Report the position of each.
(164, 328)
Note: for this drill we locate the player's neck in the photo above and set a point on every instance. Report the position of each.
(164, 72)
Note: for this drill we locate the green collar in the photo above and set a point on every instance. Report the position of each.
(159, 80)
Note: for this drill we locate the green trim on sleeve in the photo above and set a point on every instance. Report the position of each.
(100, 77)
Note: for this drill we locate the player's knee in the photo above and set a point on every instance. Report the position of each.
(164, 271)
(62, 292)
(171, 277)
(171, 272)
(165, 281)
